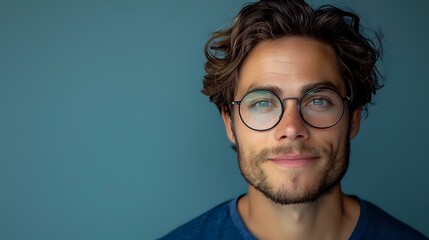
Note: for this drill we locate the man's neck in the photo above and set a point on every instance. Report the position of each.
(332, 216)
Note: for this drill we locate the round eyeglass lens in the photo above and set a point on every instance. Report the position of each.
(260, 110)
(322, 108)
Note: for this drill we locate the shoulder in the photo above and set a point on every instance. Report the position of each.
(374, 223)
(216, 223)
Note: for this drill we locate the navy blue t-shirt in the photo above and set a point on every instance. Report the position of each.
(224, 222)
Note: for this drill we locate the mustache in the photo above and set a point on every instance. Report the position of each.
(300, 148)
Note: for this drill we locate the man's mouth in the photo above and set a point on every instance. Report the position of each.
(293, 160)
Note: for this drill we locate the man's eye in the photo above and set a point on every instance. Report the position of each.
(263, 104)
(319, 102)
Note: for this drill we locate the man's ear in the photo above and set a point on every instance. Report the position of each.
(355, 122)
(227, 121)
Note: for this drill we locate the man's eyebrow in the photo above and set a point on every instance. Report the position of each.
(324, 83)
(271, 88)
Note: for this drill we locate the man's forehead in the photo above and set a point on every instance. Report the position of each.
(290, 63)
(294, 45)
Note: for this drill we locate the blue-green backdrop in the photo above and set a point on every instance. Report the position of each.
(105, 135)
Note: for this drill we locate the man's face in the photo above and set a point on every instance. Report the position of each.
(292, 162)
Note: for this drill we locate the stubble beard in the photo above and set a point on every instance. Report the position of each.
(334, 171)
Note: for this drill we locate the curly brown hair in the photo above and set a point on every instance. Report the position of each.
(356, 54)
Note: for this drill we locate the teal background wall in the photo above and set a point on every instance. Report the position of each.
(105, 135)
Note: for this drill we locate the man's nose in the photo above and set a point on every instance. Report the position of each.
(291, 125)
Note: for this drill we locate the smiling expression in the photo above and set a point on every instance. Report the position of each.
(292, 162)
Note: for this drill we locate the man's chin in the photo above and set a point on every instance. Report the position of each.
(287, 195)
(283, 198)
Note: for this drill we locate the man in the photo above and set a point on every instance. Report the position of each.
(291, 83)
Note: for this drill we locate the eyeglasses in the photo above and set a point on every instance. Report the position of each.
(261, 110)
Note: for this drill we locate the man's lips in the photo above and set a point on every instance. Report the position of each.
(294, 160)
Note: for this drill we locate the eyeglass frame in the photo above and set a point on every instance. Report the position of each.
(298, 105)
